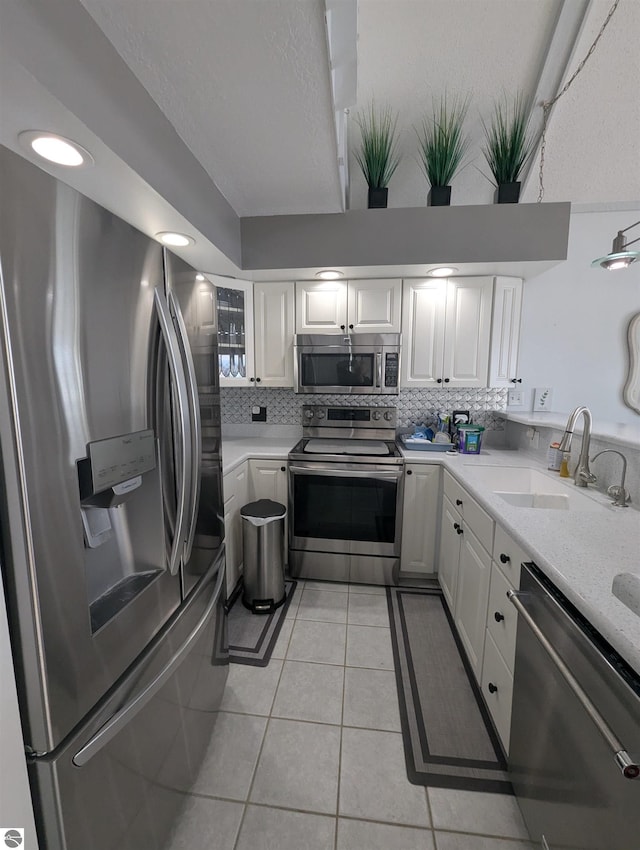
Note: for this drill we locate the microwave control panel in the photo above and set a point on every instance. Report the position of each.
(391, 369)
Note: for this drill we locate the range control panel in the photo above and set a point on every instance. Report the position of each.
(320, 416)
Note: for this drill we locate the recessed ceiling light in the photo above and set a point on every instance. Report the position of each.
(442, 271)
(329, 274)
(175, 240)
(199, 277)
(55, 148)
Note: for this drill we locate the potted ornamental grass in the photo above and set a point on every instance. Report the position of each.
(377, 155)
(508, 146)
(443, 145)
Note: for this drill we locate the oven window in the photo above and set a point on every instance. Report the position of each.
(337, 370)
(344, 508)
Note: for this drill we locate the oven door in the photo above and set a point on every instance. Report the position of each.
(345, 369)
(351, 508)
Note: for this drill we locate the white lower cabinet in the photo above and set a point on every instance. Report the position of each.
(449, 560)
(497, 689)
(236, 494)
(268, 480)
(420, 518)
(472, 595)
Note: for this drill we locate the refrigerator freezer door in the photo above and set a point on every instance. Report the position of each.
(193, 302)
(127, 791)
(77, 332)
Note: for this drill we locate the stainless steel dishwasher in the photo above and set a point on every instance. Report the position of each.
(575, 727)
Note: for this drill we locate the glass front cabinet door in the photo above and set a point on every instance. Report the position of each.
(235, 332)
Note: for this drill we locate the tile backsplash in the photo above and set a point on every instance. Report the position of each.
(415, 406)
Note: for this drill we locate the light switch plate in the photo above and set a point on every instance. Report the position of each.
(515, 398)
(542, 398)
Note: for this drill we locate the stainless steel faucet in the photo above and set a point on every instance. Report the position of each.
(582, 475)
(620, 496)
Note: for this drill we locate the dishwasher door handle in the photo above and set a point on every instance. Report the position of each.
(628, 767)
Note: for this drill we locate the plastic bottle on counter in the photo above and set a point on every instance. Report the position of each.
(564, 465)
(554, 457)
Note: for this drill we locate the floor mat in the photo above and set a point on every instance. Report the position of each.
(448, 738)
(252, 637)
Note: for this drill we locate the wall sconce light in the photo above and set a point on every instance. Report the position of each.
(620, 257)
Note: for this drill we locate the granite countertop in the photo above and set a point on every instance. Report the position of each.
(235, 450)
(580, 551)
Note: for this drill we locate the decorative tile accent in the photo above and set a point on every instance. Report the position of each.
(415, 406)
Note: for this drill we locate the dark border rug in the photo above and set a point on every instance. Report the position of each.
(449, 740)
(252, 637)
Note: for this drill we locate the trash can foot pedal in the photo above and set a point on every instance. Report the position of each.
(263, 606)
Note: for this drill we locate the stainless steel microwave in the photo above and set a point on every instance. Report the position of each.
(347, 363)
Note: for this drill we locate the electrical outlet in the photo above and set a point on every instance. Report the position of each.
(258, 414)
(542, 397)
(515, 398)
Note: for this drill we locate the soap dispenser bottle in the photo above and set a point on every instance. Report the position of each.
(564, 465)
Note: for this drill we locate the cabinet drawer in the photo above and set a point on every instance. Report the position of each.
(508, 556)
(477, 519)
(498, 697)
(503, 631)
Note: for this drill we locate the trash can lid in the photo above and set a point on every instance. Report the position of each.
(263, 509)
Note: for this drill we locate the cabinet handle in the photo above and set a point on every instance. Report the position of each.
(342, 327)
(283, 469)
(460, 531)
(438, 380)
(458, 501)
(492, 688)
(409, 472)
(456, 525)
(350, 327)
(504, 559)
(498, 617)
(252, 379)
(516, 380)
(258, 380)
(446, 380)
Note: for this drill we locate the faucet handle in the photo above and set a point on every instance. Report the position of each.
(587, 476)
(619, 495)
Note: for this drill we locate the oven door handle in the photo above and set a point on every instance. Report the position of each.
(382, 475)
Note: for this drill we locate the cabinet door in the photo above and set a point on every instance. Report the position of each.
(419, 518)
(505, 332)
(235, 331)
(373, 306)
(268, 480)
(274, 322)
(236, 494)
(467, 332)
(423, 317)
(448, 561)
(472, 598)
(321, 306)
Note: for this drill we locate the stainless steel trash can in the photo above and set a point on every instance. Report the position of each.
(263, 548)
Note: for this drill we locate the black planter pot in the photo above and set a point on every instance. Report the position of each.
(507, 193)
(378, 198)
(439, 196)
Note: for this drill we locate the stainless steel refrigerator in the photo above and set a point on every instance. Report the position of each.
(111, 518)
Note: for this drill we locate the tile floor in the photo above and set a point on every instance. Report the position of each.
(307, 752)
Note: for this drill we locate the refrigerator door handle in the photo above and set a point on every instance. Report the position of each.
(182, 394)
(124, 715)
(194, 407)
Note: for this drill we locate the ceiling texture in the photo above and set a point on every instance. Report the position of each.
(247, 99)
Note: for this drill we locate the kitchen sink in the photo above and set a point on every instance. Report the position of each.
(529, 488)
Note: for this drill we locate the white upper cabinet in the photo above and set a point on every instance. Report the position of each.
(274, 321)
(505, 333)
(356, 306)
(447, 328)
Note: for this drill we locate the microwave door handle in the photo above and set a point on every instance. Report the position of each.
(380, 475)
(194, 409)
(183, 419)
(378, 369)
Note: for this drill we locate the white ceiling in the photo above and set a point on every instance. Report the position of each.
(246, 85)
